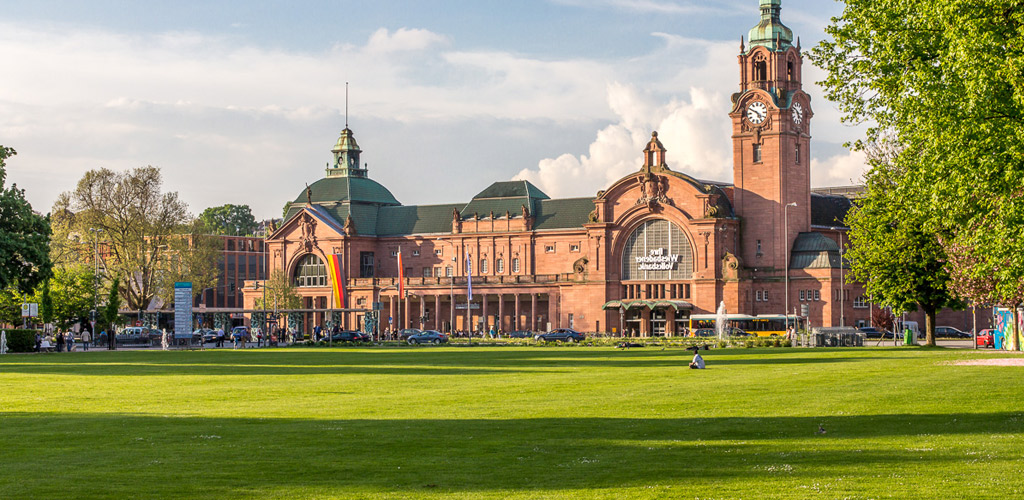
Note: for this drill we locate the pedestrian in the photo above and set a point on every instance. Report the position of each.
(69, 340)
(59, 340)
(39, 342)
(86, 338)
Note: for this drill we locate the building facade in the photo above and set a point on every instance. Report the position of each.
(641, 257)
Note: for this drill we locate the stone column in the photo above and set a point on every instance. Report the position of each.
(483, 312)
(423, 312)
(437, 312)
(501, 312)
(515, 322)
(533, 312)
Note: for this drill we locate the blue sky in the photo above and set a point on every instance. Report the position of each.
(240, 102)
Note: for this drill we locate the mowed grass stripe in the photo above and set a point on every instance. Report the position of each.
(509, 423)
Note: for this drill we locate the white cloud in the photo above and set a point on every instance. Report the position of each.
(404, 39)
(655, 6)
(839, 170)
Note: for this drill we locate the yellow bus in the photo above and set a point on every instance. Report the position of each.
(762, 325)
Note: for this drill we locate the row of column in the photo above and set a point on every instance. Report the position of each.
(414, 310)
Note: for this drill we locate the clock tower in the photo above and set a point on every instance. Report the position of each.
(771, 117)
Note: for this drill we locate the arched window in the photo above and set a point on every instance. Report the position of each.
(499, 266)
(311, 272)
(657, 250)
(760, 68)
(515, 265)
(483, 266)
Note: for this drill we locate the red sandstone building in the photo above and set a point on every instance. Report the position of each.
(645, 254)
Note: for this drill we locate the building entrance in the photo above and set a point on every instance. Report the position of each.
(658, 323)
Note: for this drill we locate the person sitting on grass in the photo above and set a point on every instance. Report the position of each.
(698, 361)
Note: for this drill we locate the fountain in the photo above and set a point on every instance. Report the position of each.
(720, 321)
(3, 342)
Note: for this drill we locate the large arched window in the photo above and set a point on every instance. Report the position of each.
(659, 251)
(311, 272)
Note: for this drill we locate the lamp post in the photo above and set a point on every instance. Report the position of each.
(95, 277)
(263, 319)
(785, 217)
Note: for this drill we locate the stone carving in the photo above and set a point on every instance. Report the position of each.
(580, 266)
(526, 212)
(652, 189)
(308, 225)
(730, 267)
(309, 194)
(350, 226)
(455, 215)
(593, 218)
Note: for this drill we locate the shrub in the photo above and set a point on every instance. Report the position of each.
(21, 340)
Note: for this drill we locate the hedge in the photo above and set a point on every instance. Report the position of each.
(21, 340)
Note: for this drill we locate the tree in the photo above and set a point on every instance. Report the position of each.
(140, 229)
(191, 257)
(280, 293)
(901, 264)
(10, 305)
(24, 237)
(74, 294)
(46, 303)
(945, 79)
(236, 220)
(110, 313)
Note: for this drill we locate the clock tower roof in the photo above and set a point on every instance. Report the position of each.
(346, 157)
(770, 32)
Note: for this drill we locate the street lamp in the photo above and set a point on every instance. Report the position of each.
(263, 319)
(96, 277)
(785, 218)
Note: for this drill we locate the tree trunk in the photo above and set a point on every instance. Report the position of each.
(929, 326)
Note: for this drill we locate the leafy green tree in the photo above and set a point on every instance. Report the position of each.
(280, 293)
(235, 220)
(10, 305)
(946, 79)
(142, 232)
(901, 263)
(46, 303)
(24, 236)
(74, 294)
(110, 313)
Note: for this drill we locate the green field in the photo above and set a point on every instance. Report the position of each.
(523, 422)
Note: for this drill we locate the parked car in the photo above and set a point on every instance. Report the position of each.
(350, 336)
(428, 337)
(874, 333)
(703, 332)
(138, 335)
(406, 333)
(213, 335)
(986, 338)
(948, 332)
(521, 334)
(560, 335)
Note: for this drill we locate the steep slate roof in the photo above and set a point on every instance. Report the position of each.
(814, 251)
(563, 214)
(355, 189)
(501, 197)
(416, 219)
(829, 211)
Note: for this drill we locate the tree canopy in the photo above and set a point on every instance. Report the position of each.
(234, 220)
(945, 81)
(24, 237)
(144, 235)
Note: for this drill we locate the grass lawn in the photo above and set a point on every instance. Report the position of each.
(526, 422)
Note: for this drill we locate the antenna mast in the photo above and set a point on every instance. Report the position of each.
(346, 104)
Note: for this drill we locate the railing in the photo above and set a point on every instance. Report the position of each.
(462, 280)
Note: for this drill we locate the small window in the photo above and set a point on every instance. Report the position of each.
(394, 253)
(757, 153)
(499, 266)
(415, 253)
(426, 272)
(757, 298)
(549, 249)
(437, 272)
(766, 295)
(758, 247)
(448, 271)
(438, 252)
(574, 248)
(797, 154)
(861, 302)
(483, 266)
(801, 295)
(817, 295)
(515, 265)
(408, 271)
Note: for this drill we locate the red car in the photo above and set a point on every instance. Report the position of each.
(986, 338)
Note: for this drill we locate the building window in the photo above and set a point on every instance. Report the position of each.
(438, 252)
(426, 272)
(817, 295)
(365, 264)
(415, 253)
(310, 272)
(861, 302)
(448, 271)
(801, 295)
(657, 251)
(483, 266)
(766, 295)
(760, 69)
(499, 266)
(408, 272)
(515, 265)
(757, 297)
(574, 248)
(757, 153)
(797, 154)
(549, 249)
(394, 253)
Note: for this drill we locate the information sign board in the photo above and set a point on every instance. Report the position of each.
(182, 308)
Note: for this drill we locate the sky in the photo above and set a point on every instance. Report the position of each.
(241, 101)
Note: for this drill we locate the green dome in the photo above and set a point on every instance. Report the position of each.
(352, 189)
(770, 32)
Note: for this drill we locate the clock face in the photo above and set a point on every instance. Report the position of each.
(798, 113)
(757, 112)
